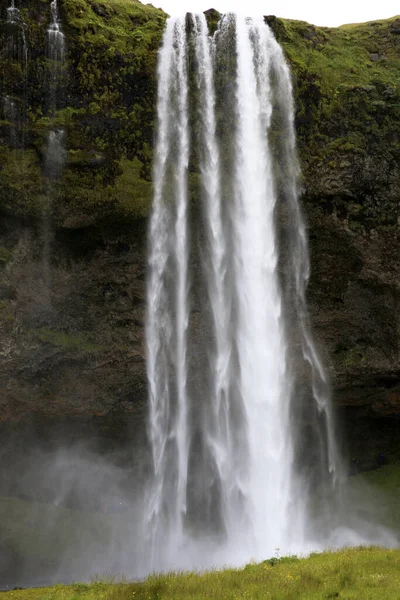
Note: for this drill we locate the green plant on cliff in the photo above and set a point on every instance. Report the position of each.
(5, 255)
(6, 313)
(108, 111)
(347, 112)
(347, 88)
(81, 342)
(21, 183)
(113, 65)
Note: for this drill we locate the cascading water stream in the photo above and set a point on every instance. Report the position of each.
(55, 151)
(299, 253)
(246, 426)
(14, 18)
(16, 49)
(167, 318)
(260, 335)
(217, 415)
(55, 36)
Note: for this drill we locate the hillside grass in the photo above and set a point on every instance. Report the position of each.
(367, 573)
(351, 55)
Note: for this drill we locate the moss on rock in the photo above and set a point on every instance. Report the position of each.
(107, 97)
(347, 112)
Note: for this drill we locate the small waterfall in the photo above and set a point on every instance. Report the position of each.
(254, 257)
(55, 150)
(56, 37)
(12, 13)
(14, 103)
(18, 50)
(56, 55)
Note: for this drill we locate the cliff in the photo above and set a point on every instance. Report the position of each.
(73, 349)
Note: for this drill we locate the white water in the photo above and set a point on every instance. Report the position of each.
(55, 35)
(56, 54)
(260, 336)
(17, 46)
(55, 151)
(167, 318)
(13, 14)
(234, 474)
(217, 416)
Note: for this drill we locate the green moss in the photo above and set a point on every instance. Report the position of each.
(106, 107)
(5, 255)
(67, 340)
(22, 186)
(6, 312)
(347, 105)
(132, 193)
(349, 356)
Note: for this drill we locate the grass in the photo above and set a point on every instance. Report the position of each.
(342, 56)
(109, 23)
(367, 573)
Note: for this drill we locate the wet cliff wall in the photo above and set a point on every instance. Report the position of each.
(73, 351)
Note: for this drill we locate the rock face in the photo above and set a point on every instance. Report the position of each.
(73, 349)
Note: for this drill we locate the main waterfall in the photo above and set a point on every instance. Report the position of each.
(240, 423)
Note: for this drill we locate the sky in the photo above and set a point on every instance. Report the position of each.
(318, 12)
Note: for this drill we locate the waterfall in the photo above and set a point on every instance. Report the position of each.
(16, 50)
(247, 419)
(56, 55)
(55, 36)
(55, 150)
(14, 18)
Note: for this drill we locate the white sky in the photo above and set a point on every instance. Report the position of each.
(319, 12)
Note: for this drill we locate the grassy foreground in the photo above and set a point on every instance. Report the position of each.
(367, 573)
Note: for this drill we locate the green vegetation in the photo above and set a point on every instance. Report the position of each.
(5, 255)
(67, 340)
(106, 100)
(366, 573)
(347, 92)
(349, 357)
(6, 313)
(22, 190)
(347, 88)
(343, 57)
